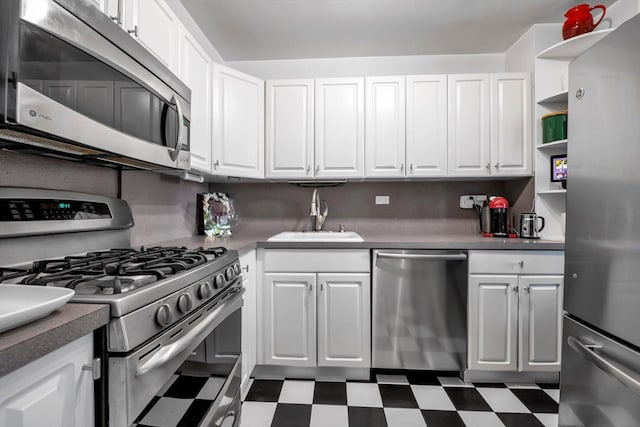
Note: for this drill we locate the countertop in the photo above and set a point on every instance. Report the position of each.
(27, 343)
(248, 240)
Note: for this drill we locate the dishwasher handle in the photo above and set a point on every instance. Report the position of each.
(448, 257)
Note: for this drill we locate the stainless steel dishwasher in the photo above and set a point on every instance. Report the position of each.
(419, 309)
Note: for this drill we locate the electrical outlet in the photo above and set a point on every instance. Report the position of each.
(468, 200)
(382, 200)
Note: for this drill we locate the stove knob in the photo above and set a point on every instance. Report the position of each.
(204, 291)
(163, 315)
(184, 303)
(219, 282)
(229, 273)
(237, 269)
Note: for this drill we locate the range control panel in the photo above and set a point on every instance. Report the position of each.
(51, 210)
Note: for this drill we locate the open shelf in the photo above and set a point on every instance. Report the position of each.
(562, 96)
(557, 191)
(568, 49)
(555, 144)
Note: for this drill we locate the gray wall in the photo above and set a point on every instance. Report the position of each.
(163, 206)
(424, 207)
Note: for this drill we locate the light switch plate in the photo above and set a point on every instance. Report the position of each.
(382, 200)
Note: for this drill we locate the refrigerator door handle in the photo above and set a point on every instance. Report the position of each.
(589, 351)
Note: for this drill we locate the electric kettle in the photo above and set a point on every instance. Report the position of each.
(529, 225)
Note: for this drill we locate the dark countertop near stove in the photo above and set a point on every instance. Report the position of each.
(26, 343)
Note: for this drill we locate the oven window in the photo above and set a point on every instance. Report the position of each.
(73, 78)
(205, 385)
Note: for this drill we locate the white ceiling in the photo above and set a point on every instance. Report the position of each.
(290, 29)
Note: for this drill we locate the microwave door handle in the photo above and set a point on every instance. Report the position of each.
(176, 151)
(197, 334)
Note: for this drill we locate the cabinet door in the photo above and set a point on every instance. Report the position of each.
(511, 148)
(540, 322)
(238, 123)
(155, 27)
(289, 129)
(427, 125)
(344, 320)
(493, 323)
(249, 322)
(195, 71)
(52, 391)
(385, 127)
(469, 130)
(339, 127)
(290, 319)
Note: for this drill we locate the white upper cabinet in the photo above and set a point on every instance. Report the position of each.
(426, 126)
(289, 129)
(385, 127)
(196, 72)
(339, 128)
(156, 27)
(469, 125)
(238, 123)
(511, 148)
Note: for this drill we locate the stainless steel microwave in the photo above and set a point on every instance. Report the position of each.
(74, 83)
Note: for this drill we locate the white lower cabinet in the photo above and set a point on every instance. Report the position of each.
(52, 391)
(290, 319)
(316, 317)
(515, 320)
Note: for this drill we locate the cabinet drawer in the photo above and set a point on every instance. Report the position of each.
(516, 262)
(342, 260)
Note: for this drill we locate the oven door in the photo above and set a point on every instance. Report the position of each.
(195, 362)
(70, 82)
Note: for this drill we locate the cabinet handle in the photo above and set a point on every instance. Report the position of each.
(515, 289)
(411, 168)
(487, 166)
(317, 169)
(310, 287)
(116, 19)
(133, 32)
(308, 169)
(216, 164)
(321, 287)
(402, 167)
(526, 289)
(496, 166)
(246, 268)
(521, 264)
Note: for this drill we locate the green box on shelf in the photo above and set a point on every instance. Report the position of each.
(554, 126)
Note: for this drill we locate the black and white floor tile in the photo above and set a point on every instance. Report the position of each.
(425, 399)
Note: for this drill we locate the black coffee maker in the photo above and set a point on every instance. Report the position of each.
(495, 218)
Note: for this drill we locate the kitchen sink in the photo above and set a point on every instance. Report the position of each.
(23, 304)
(316, 236)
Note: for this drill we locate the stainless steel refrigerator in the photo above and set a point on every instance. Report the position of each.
(600, 378)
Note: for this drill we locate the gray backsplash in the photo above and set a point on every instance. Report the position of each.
(164, 207)
(425, 207)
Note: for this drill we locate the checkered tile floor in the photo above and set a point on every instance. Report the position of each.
(420, 399)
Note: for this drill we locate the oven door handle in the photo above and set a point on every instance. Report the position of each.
(196, 335)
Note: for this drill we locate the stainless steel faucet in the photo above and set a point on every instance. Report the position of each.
(315, 211)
